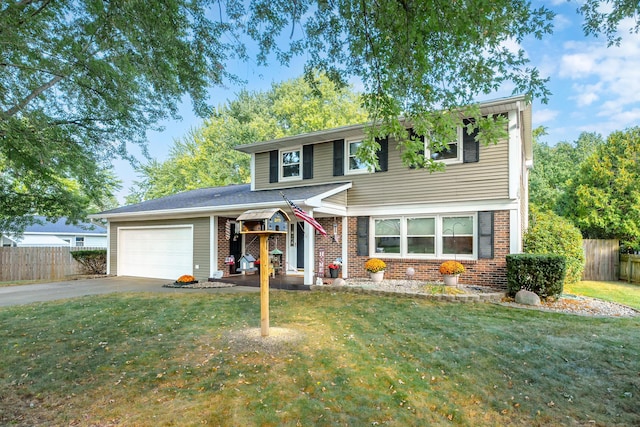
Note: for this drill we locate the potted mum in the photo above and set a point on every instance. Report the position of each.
(334, 268)
(186, 279)
(376, 268)
(450, 271)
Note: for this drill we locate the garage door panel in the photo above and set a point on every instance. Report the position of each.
(165, 253)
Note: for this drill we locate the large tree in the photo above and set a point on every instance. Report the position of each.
(205, 156)
(603, 200)
(555, 166)
(79, 80)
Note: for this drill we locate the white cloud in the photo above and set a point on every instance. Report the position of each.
(587, 94)
(545, 115)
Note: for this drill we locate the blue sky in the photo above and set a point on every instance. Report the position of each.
(594, 88)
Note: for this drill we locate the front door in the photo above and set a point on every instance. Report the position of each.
(300, 246)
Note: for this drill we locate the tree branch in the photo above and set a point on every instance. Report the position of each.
(35, 93)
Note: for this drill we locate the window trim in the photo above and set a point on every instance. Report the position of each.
(79, 239)
(281, 164)
(460, 150)
(439, 236)
(347, 158)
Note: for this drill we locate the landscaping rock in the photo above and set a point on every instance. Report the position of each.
(527, 297)
(339, 282)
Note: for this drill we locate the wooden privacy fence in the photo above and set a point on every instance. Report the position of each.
(630, 268)
(37, 263)
(601, 259)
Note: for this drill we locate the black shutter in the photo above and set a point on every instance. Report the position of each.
(470, 147)
(485, 234)
(307, 162)
(383, 155)
(363, 236)
(338, 157)
(414, 135)
(273, 166)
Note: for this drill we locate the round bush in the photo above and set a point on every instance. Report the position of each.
(549, 233)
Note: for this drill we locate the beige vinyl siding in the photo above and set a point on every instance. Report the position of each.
(338, 199)
(486, 179)
(201, 233)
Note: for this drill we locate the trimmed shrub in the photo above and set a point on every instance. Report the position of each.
(93, 261)
(549, 233)
(539, 273)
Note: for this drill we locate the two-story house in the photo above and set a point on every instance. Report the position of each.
(475, 211)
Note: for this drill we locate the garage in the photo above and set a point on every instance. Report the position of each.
(158, 252)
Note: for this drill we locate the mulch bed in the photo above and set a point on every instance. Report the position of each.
(200, 285)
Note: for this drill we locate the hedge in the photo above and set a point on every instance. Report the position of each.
(542, 274)
(93, 261)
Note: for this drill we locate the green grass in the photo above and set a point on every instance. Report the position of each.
(361, 360)
(620, 292)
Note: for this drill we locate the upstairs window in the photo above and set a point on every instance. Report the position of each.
(291, 164)
(79, 242)
(354, 165)
(451, 153)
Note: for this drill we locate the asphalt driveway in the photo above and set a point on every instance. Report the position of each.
(26, 294)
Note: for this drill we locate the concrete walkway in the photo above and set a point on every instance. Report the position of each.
(26, 294)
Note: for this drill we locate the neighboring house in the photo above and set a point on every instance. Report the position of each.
(59, 233)
(475, 211)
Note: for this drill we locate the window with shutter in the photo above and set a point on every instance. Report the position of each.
(291, 163)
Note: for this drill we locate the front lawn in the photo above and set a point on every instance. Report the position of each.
(620, 292)
(162, 360)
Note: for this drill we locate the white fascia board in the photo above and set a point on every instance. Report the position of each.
(331, 209)
(434, 208)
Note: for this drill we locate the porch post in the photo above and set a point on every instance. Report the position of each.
(309, 252)
(345, 247)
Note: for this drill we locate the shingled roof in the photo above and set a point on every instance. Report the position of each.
(61, 227)
(224, 198)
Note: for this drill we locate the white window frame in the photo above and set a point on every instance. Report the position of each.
(439, 237)
(347, 157)
(281, 153)
(457, 159)
(79, 239)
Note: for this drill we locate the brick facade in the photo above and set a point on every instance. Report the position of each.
(252, 245)
(486, 272)
(332, 248)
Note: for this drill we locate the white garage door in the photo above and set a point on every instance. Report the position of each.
(160, 252)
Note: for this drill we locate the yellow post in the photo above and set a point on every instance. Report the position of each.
(264, 284)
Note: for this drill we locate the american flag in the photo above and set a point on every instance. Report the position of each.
(298, 212)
